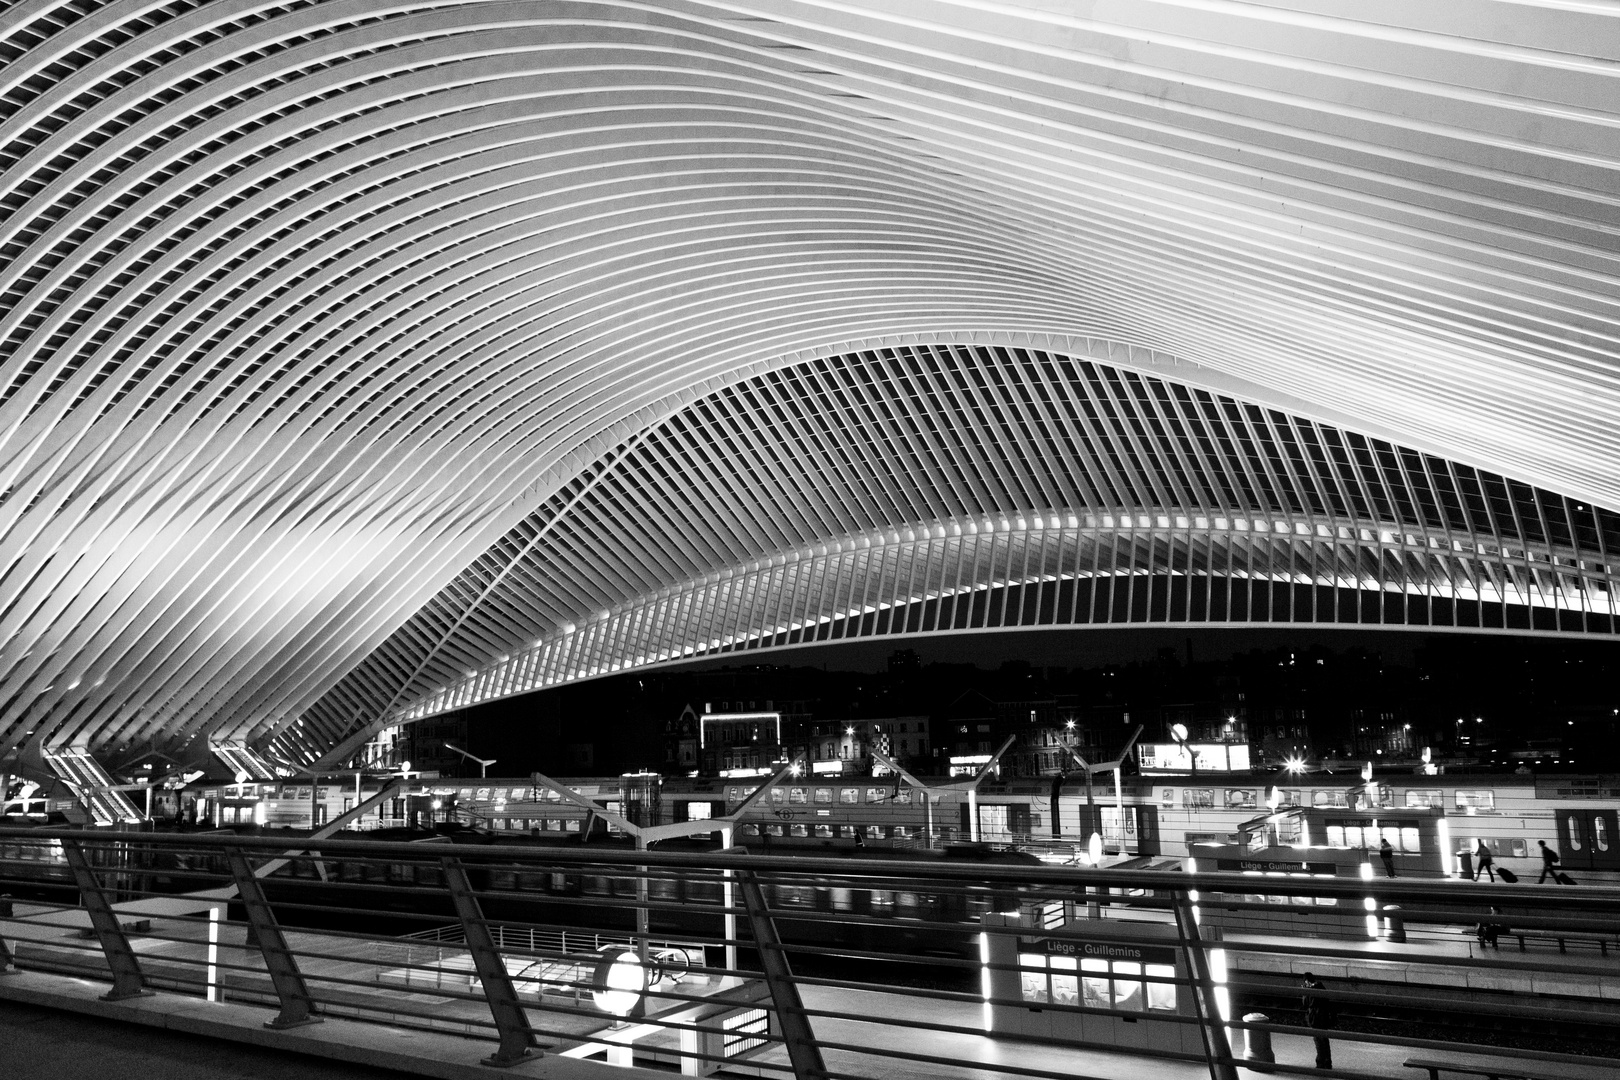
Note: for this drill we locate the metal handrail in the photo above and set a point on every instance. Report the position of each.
(798, 959)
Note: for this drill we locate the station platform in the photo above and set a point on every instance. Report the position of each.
(876, 1025)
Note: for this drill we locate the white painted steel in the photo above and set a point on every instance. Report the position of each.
(304, 306)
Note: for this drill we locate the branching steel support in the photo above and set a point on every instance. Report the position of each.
(296, 1007)
(126, 971)
(510, 1021)
(803, 1052)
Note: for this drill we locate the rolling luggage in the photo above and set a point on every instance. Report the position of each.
(1563, 878)
(1507, 875)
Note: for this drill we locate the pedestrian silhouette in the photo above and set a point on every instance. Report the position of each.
(1387, 853)
(1484, 861)
(1318, 1015)
(1549, 863)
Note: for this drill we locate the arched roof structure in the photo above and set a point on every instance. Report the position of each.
(360, 359)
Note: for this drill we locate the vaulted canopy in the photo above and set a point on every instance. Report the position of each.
(361, 359)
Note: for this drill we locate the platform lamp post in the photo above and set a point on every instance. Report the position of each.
(647, 835)
(1117, 765)
(482, 763)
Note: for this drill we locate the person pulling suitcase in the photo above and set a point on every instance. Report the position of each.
(1549, 864)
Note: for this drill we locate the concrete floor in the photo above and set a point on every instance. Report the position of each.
(49, 1044)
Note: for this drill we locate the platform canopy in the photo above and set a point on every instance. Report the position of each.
(360, 360)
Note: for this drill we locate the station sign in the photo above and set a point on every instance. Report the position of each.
(1270, 866)
(1128, 951)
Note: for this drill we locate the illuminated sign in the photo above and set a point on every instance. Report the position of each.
(1102, 950)
(1186, 757)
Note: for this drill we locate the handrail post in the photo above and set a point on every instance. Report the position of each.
(296, 1005)
(800, 1041)
(126, 971)
(510, 1020)
(1217, 1047)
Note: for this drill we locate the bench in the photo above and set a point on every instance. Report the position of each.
(1504, 1071)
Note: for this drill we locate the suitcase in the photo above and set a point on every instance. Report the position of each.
(1563, 878)
(1507, 875)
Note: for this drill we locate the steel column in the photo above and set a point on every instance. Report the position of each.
(291, 991)
(802, 1050)
(8, 965)
(510, 1021)
(1217, 1048)
(126, 971)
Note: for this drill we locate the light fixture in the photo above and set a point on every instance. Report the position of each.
(619, 981)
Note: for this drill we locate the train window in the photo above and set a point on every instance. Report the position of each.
(824, 795)
(750, 830)
(1197, 798)
(799, 795)
(1430, 797)
(799, 830)
(1576, 840)
(571, 825)
(1167, 797)
(662, 888)
(733, 794)
(882, 899)
(902, 832)
(702, 811)
(1065, 986)
(876, 794)
(1329, 798)
(843, 899)
(1600, 832)
(1128, 990)
(1409, 839)
(795, 895)
(1240, 799)
(1097, 994)
(1032, 970)
(1476, 800)
(824, 830)
(903, 797)
(1161, 995)
(1290, 797)
(849, 796)
(778, 795)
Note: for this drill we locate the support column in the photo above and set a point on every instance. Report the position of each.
(126, 971)
(728, 898)
(1217, 1047)
(510, 1021)
(296, 1007)
(8, 964)
(802, 1050)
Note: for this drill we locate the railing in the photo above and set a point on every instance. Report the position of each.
(832, 966)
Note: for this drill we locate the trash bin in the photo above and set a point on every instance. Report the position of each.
(1394, 923)
(1465, 863)
(1257, 1041)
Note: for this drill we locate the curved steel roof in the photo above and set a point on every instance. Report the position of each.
(309, 310)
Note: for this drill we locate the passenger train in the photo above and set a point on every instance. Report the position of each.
(1163, 816)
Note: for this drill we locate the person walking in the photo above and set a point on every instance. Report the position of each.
(1318, 1015)
(1549, 864)
(1484, 861)
(1387, 853)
